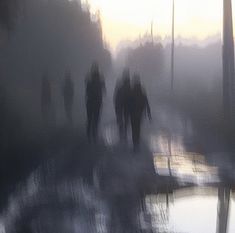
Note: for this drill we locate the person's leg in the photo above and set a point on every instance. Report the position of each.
(133, 130)
(96, 118)
(70, 115)
(135, 124)
(126, 122)
(138, 125)
(89, 120)
(67, 107)
(122, 125)
(119, 122)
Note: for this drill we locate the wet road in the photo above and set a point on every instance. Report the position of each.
(166, 187)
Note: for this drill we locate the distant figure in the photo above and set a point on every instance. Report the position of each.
(139, 106)
(2, 105)
(95, 88)
(3, 114)
(46, 100)
(122, 103)
(68, 94)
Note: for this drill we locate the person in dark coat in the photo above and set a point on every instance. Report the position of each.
(68, 94)
(122, 103)
(139, 107)
(46, 100)
(95, 88)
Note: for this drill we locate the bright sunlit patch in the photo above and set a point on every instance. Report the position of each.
(201, 209)
(231, 223)
(189, 210)
(188, 167)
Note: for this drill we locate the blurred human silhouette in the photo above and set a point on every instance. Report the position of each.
(68, 94)
(139, 105)
(2, 105)
(95, 88)
(46, 101)
(3, 115)
(122, 103)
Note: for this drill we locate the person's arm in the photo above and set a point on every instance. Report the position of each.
(115, 93)
(115, 96)
(103, 86)
(148, 109)
(86, 87)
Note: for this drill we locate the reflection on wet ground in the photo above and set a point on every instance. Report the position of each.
(186, 166)
(194, 202)
(191, 210)
(108, 188)
(189, 167)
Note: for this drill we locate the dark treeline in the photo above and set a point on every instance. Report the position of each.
(48, 38)
(51, 37)
(8, 13)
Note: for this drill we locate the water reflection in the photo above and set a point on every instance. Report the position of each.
(211, 212)
(171, 158)
(122, 194)
(191, 210)
(188, 167)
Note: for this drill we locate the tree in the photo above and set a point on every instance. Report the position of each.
(8, 12)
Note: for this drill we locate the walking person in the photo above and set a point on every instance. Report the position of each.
(139, 107)
(95, 88)
(68, 94)
(46, 101)
(122, 103)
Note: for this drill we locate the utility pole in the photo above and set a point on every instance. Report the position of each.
(223, 209)
(173, 47)
(228, 65)
(228, 105)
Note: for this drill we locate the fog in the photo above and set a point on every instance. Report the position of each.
(71, 160)
(198, 73)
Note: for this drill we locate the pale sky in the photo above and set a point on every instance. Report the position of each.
(128, 19)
